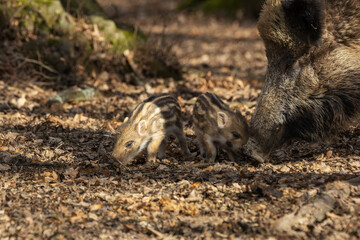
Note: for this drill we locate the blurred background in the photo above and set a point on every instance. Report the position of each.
(98, 52)
(163, 37)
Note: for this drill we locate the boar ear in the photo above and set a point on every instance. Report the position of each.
(222, 119)
(141, 128)
(305, 18)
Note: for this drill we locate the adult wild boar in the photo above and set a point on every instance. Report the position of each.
(312, 84)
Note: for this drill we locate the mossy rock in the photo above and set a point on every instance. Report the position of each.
(48, 17)
(119, 39)
(64, 24)
(44, 17)
(120, 36)
(66, 52)
(56, 18)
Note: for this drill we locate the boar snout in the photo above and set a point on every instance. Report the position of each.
(252, 149)
(311, 89)
(263, 141)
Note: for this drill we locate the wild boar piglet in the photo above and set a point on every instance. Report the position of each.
(148, 126)
(216, 125)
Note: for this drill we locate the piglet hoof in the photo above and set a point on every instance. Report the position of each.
(151, 161)
(161, 155)
(150, 165)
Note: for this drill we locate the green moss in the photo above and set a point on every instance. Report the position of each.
(50, 11)
(42, 16)
(118, 38)
(64, 24)
(62, 51)
(49, 17)
(56, 17)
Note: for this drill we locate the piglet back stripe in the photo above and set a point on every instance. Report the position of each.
(165, 100)
(154, 97)
(158, 100)
(216, 100)
(136, 111)
(169, 114)
(171, 124)
(203, 103)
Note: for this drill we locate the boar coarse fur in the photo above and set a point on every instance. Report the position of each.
(216, 125)
(148, 126)
(312, 84)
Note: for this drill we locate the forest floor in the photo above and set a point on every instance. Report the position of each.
(59, 181)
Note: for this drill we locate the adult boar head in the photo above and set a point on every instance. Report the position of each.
(312, 84)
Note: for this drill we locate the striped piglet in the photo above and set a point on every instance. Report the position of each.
(216, 125)
(148, 126)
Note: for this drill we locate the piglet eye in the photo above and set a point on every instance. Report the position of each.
(129, 144)
(236, 135)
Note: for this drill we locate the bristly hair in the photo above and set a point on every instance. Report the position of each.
(305, 18)
(292, 24)
(326, 116)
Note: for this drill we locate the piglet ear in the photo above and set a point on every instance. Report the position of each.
(141, 128)
(222, 119)
(305, 18)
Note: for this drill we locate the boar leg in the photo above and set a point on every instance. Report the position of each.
(210, 149)
(180, 136)
(231, 155)
(201, 143)
(162, 148)
(230, 152)
(153, 147)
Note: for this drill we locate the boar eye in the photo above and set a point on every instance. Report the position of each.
(236, 135)
(129, 144)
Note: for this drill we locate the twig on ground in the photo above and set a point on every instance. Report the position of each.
(29, 60)
(201, 165)
(316, 210)
(157, 233)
